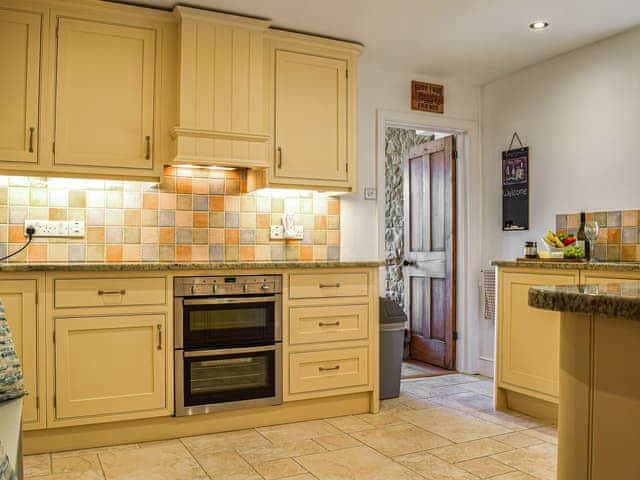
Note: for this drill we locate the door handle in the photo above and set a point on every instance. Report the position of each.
(328, 369)
(279, 157)
(159, 327)
(111, 292)
(409, 263)
(328, 324)
(329, 285)
(147, 154)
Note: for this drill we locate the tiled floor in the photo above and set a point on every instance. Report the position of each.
(441, 428)
(415, 369)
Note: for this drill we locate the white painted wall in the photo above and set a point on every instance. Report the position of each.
(580, 115)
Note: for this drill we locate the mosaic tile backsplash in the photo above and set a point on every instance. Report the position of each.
(619, 237)
(193, 215)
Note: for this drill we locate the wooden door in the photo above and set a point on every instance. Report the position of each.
(109, 365)
(19, 85)
(310, 118)
(104, 95)
(430, 250)
(19, 298)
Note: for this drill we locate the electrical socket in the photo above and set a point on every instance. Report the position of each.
(276, 232)
(52, 228)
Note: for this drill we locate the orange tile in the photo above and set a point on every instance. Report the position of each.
(183, 253)
(184, 218)
(57, 214)
(630, 218)
(232, 174)
(200, 219)
(603, 235)
(263, 220)
(167, 201)
(95, 234)
(150, 200)
(588, 217)
(114, 253)
(169, 171)
(320, 222)
(613, 235)
(16, 234)
(333, 206)
(38, 253)
(333, 237)
(167, 235)
(247, 252)
(231, 236)
(306, 253)
(629, 253)
(216, 203)
(216, 236)
(200, 186)
(183, 185)
(150, 235)
(132, 217)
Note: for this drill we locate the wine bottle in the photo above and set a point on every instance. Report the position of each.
(581, 238)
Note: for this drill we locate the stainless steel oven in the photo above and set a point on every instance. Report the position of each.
(228, 350)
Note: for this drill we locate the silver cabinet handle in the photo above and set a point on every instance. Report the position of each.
(328, 324)
(147, 155)
(279, 157)
(328, 369)
(31, 130)
(159, 327)
(329, 285)
(111, 292)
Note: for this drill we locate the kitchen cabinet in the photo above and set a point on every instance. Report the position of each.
(20, 34)
(106, 365)
(603, 276)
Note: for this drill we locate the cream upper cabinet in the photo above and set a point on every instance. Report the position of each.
(19, 86)
(104, 97)
(109, 365)
(19, 299)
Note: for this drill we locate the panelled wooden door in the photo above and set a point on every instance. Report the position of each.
(105, 82)
(19, 85)
(310, 117)
(430, 250)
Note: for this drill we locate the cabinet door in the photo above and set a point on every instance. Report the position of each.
(19, 298)
(591, 277)
(109, 365)
(104, 95)
(529, 337)
(310, 118)
(20, 66)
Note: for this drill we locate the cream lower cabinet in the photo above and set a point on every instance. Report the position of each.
(529, 338)
(598, 276)
(109, 365)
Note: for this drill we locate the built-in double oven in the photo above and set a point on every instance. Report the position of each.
(228, 350)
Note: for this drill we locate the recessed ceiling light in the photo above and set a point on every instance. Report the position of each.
(538, 25)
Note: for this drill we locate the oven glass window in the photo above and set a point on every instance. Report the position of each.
(229, 325)
(229, 378)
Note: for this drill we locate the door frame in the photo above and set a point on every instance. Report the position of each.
(468, 219)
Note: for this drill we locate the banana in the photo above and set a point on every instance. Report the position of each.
(552, 240)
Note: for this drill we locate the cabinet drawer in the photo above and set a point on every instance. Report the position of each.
(328, 324)
(108, 292)
(327, 285)
(328, 369)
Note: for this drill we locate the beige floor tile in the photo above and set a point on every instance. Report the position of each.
(36, 465)
(304, 476)
(226, 465)
(470, 450)
(419, 403)
(517, 439)
(255, 455)
(422, 390)
(338, 441)
(295, 432)
(514, 476)
(484, 387)
(466, 401)
(509, 419)
(538, 460)
(349, 424)
(484, 467)
(164, 461)
(219, 442)
(87, 475)
(359, 463)
(548, 434)
(275, 469)
(380, 419)
(432, 468)
(75, 463)
(401, 439)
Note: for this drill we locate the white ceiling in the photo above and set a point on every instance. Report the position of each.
(473, 40)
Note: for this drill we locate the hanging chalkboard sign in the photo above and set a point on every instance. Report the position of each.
(515, 187)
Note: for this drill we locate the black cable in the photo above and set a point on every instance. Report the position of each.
(30, 231)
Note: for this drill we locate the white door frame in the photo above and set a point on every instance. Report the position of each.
(469, 215)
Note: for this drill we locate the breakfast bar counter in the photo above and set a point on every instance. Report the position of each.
(599, 409)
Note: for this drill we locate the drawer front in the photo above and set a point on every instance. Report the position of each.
(328, 369)
(327, 285)
(109, 292)
(328, 324)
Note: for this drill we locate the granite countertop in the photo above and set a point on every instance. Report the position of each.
(621, 300)
(603, 266)
(160, 266)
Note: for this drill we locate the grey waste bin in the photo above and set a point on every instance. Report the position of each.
(392, 322)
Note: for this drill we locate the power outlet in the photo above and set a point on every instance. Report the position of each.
(277, 232)
(50, 228)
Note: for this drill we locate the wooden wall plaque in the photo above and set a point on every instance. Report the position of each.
(427, 97)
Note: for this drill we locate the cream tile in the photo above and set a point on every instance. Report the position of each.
(87, 475)
(514, 476)
(380, 419)
(263, 454)
(359, 463)
(484, 467)
(466, 401)
(304, 476)
(219, 442)
(294, 432)
(36, 465)
(338, 441)
(509, 419)
(433, 468)
(76, 463)
(88, 451)
(469, 450)
(226, 465)
(349, 424)
(400, 439)
(275, 469)
(538, 460)
(427, 390)
(548, 434)
(483, 387)
(517, 439)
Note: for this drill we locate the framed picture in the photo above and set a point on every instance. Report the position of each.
(427, 97)
(515, 189)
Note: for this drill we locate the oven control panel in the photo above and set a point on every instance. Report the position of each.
(227, 285)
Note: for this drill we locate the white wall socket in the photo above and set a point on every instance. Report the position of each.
(277, 233)
(53, 228)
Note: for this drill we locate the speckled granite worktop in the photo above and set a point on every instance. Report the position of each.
(603, 266)
(620, 300)
(148, 267)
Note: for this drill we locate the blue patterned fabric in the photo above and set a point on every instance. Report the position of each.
(11, 381)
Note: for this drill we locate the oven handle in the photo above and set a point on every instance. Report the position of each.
(229, 351)
(222, 301)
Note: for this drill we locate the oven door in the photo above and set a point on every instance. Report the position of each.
(210, 322)
(213, 380)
